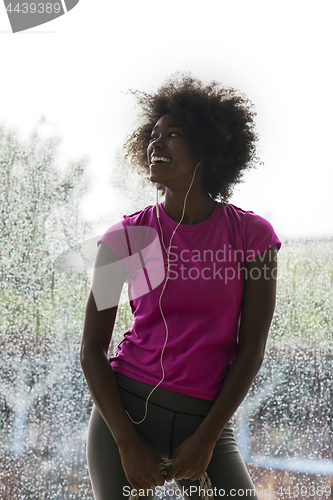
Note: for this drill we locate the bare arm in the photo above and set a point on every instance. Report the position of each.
(141, 472)
(193, 456)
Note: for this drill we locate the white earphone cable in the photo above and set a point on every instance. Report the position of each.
(166, 280)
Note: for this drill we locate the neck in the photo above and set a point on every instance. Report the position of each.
(199, 206)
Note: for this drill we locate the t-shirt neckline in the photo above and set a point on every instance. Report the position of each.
(188, 227)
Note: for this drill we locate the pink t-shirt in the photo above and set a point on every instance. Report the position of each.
(201, 302)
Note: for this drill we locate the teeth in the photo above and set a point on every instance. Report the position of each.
(159, 158)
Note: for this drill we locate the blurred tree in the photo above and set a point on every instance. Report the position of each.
(39, 219)
(304, 307)
(131, 187)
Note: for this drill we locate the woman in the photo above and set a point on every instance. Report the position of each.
(199, 332)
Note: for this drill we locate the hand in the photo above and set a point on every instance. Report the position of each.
(191, 459)
(140, 464)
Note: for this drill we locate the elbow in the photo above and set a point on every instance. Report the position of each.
(260, 359)
(90, 353)
(252, 356)
(83, 357)
(258, 354)
(255, 362)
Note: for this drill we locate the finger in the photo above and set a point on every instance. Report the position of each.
(195, 477)
(174, 470)
(158, 476)
(143, 485)
(182, 475)
(159, 480)
(135, 487)
(148, 486)
(155, 478)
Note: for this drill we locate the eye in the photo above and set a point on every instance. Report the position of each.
(154, 137)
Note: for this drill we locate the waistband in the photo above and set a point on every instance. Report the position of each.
(169, 400)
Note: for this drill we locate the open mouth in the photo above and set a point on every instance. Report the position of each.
(160, 159)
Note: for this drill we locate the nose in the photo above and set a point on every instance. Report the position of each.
(156, 143)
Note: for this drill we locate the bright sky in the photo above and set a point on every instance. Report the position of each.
(75, 70)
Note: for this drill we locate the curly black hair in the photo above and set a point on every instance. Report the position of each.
(219, 122)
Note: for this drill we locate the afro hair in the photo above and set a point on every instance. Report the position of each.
(219, 122)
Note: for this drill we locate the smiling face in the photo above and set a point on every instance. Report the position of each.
(170, 158)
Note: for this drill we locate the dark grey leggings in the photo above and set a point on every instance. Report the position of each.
(172, 418)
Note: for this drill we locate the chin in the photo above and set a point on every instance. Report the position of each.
(155, 178)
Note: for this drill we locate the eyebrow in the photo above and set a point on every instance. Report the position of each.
(169, 125)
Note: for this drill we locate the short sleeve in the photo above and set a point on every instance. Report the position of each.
(115, 239)
(259, 235)
(139, 250)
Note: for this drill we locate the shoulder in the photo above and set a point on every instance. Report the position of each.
(235, 216)
(247, 219)
(133, 233)
(143, 217)
(240, 215)
(255, 233)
